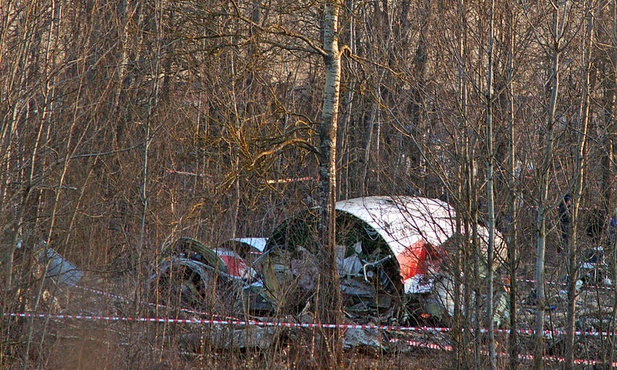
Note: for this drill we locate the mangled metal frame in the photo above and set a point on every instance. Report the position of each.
(388, 248)
(190, 274)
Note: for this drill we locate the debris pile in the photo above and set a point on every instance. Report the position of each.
(391, 251)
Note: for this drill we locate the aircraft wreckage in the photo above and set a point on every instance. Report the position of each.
(392, 253)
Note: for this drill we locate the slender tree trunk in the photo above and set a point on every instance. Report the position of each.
(513, 350)
(417, 104)
(609, 115)
(543, 187)
(147, 140)
(490, 201)
(461, 290)
(581, 163)
(234, 151)
(610, 108)
(49, 66)
(328, 299)
(348, 104)
(131, 18)
(17, 99)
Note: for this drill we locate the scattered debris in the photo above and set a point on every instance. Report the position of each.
(365, 338)
(189, 274)
(229, 339)
(192, 275)
(390, 251)
(246, 246)
(56, 266)
(594, 269)
(249, 249)
(388, 247)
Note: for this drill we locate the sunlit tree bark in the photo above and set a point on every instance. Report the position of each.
(328, 295)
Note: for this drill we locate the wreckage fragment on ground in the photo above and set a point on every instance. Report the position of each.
(390, 251)
(192, 275)
(55, 266)
(392, 257)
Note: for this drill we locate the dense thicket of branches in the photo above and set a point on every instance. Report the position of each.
(126, 122)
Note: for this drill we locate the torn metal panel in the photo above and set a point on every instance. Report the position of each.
(249, 249)
(189, 274)
(57, 267)
(355, 338)
(256, 243)
(415, 229)
(386, 246)
(193, 249)
(235, 264)
(188, 283)
(226, 338)
(193, 275)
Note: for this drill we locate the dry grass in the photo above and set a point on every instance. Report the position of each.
(90, 344)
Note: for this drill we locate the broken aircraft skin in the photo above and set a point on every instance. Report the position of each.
(248, 249)
(391, 250)
(392, 256)
(56, 266)
(192, 275)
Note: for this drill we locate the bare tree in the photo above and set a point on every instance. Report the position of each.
(581, 165)
(490, 201)
(554, 48)
(328, 294)
(513, 256)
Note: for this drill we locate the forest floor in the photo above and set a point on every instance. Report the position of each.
(103, 339)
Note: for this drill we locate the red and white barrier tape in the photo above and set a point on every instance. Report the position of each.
(296, 179)
(156, 305)
(222, 322)
(232, 321)
(414, 343)
(288, 325)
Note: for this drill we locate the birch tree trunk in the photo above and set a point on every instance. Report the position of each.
(328, 300)
(16, 97)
